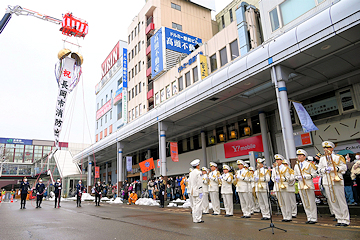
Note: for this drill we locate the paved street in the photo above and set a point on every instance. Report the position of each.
(120, 221)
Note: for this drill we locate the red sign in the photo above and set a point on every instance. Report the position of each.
(110, 60)
(97, 172)
(158, 163)
(243, 147)
(104, 109)
(147, 165)
(174, 151)
(117, 98)
(305, 139)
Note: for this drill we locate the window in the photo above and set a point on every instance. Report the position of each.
(130, 115)
(132, 35)
(168, 92)
(132, 93)
(120, 81)
(129, 57)
(177, 26)
(132, 53)
(97, 124)
(231, 16)
(195, 74)
(110, 114)
(174, 88)
(97, 106)
(157, 98)
(139, 66)
(136, 50)
(132, 73)
(140, 109)
(175, 6)
(111, 93)
(106, 98)
(162, 95)
(101, 122)
(274, 19)
(102, 103)
(133, 113)
(222, 21)
(135, 90)
(181, 84)
(135, 31)
(234, 49)
(129, 75)
(223, 57)
(129, 39)
(129, 95)
(136, 69)
(105, 118)
(292, 9)
(136, 111)
(139, 46)
(139, 29)
(140, 87)
(187, 79)
(213, 63)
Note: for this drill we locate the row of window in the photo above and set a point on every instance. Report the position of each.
(134, 51)
(134, 91)
(100, 136)
(134, 32)
(136, 112)
(175, 6)
(223, 19)
(234, 51)
(101, 119)
(106, 99)
(134, 71)
(177, 26)
(289, 10)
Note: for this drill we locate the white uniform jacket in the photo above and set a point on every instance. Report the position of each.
(286, 175)
(340, 167)
(226, 186)
(264, 177)
(242, 180)
(195, 183)
(205, 183)
(308, 171)
(214, 181)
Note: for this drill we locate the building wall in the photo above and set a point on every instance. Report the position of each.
(267, 6)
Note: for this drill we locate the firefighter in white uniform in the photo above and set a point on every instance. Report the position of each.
(254, 201)
(261, 179)
(291, 190)
(242, 188)
(214, 182)
(333, 181)
(305, 172)
(281, 177)
(226, 191)
(205, 182)
(195, 189)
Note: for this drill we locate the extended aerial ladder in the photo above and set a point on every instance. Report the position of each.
(70, 25)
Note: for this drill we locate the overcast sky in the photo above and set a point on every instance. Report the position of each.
(28, 53)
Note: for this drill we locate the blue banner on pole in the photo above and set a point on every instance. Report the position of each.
(304, 117)
(129, 164)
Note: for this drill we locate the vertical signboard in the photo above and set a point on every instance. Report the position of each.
(125, 80)
(129, 164)
(203, 67)
(125, 68)
(124, 106)
(180, 42)
(174, 151)
(157, 64)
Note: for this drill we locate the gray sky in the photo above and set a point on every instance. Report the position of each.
(28, 53)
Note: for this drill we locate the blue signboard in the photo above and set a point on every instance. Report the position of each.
(125, 67)
(16, 141)
(156, 53)
(180, 42)
(118, 91)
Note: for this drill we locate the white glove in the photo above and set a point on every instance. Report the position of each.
(256, 179)
(329, 169)
(200, 195)
(37, 193)
(238, 176)
(277, 179)
(299, 178)
(220, 177)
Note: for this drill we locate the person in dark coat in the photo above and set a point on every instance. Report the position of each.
(98, 190)
(79, 190)
(57, 186)
(24, 187)
(161, 194)
(40, 190)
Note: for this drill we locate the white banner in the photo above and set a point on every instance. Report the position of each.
(65, 80)
(129, 164)
(304, 117)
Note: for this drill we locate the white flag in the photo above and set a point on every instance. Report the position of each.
(305, 119)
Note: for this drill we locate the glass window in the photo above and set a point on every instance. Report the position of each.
(231, 15)
(132, 93)
(255, 122)
(346, 100)
(135, 50)
(120, 81)
(195, 74)
(174, 87)
(135, 90)
(234, 49)
(140, 87)
(162, 95)
(157, 98)
(222, 21)
(136, 111)
(97, 106)
(181, 84)
(133, 113)
(140, 109)
(139, 46)
(101, 122)
(139, 66)
(135, 31)
(129, 39)
(274, 19)
(175, 6)
(168, 92)
(187, 79)
(177, 26)
(139, 29)
(292, 9)
(102, 102)
(213, 62)
(97, 124)
(110, 114)
(129, 95)
(105, 118)
(223, 57)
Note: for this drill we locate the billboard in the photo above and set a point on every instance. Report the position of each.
(243, 146)
(157, 62)
(110, 60)
(179, 41)
(104, 109)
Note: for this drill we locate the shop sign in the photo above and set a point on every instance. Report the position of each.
(104, 109)
(180, 42)
(110, 60)
(243, 147)
(157, 64)
(16, 141)
(125, 68)
(189, 62)
(118, 95)
(203, 67)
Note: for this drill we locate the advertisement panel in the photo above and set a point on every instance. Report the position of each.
(125, 68)
(157, 64)
(243, 146)
(104, 109)
(118, 95)
(180, 42)
(110, 60)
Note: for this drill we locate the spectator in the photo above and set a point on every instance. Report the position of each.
(145, 193)
(126, 191)
(138, 187)
(355, 174)
(347, 179)
(168, 192)
(182, 184)
(151, 188)
(132, 198)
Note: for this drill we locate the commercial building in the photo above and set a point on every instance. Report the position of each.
(241, 109)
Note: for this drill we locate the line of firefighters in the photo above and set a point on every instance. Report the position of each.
(203, 184)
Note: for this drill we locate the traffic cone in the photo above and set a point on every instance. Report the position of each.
(12, 199)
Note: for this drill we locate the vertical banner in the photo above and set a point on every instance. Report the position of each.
(304, 117)
(158, 163)
(203, 67)
(97, 172)
(129, 164)
(174, 151)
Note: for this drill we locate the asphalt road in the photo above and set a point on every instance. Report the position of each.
(121, 221)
